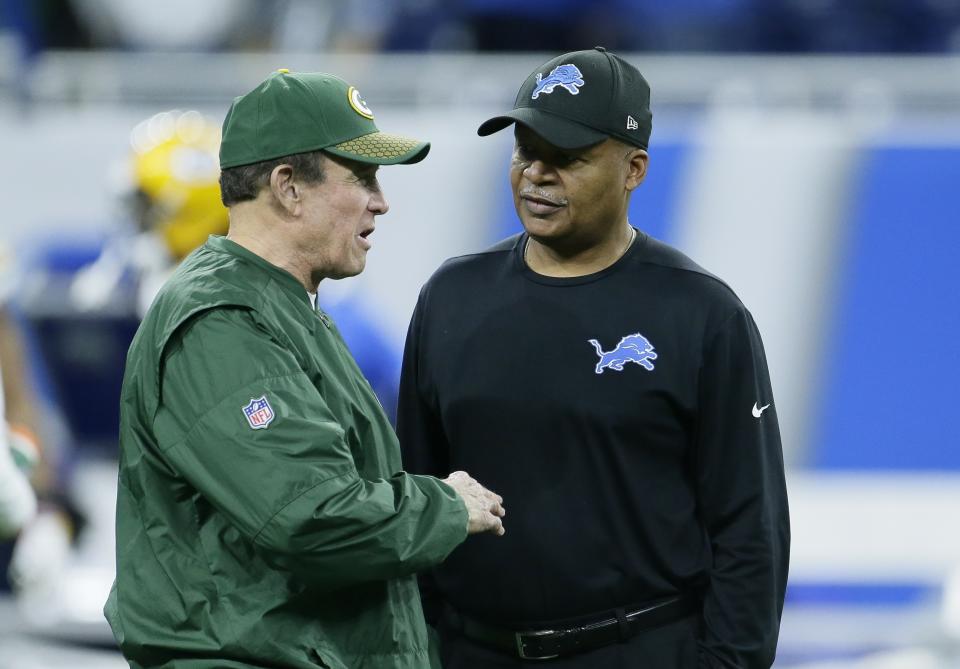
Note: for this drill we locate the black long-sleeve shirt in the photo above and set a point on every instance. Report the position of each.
(627, 419)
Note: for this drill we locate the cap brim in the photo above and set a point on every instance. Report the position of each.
(557, 130)
(382, 148)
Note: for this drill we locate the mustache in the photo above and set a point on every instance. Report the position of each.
(533, 192)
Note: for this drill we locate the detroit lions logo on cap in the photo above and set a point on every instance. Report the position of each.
(258, 413)
(567, 76)
(359, 106)
(632, 348)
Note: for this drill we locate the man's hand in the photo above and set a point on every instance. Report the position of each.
(484, 507)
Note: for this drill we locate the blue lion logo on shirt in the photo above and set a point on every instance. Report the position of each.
(567, 76)
(632, 348)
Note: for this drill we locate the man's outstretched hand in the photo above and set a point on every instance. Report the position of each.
(484, 507)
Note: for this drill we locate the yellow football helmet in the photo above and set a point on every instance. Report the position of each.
(176, 171)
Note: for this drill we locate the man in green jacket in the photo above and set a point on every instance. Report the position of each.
(263, 517)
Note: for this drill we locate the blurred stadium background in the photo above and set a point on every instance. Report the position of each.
(807, 151)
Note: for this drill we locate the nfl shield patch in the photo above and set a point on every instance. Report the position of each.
(258, 412)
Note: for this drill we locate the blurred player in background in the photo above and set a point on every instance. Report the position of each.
(18, 455)
(172, 196)
(171, 204)
(617, 393)
(33, 512)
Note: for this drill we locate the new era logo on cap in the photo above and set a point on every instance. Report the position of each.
(631, 123)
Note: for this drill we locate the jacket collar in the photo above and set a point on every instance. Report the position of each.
(284, 278)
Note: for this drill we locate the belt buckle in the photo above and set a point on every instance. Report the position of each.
(521, 650)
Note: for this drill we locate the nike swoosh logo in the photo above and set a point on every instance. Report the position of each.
(759, 412)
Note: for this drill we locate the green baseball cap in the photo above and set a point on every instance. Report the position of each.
(298, 112)
(581, 98)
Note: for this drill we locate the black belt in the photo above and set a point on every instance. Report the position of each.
(549, 643)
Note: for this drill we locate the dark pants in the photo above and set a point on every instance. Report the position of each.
(6, 552)
(672, 646)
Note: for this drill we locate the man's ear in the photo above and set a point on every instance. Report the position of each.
(637, 161)
(287, 192)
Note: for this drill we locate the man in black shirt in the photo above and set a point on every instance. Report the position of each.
(618, 394)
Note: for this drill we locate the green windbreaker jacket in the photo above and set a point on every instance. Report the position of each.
(263, 519)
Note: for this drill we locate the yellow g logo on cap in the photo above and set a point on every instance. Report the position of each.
(359, 106)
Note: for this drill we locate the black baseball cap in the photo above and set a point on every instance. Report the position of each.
(581, 98)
